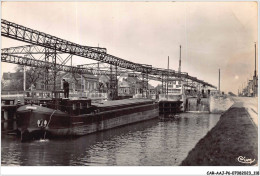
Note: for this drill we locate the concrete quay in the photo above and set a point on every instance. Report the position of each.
(234, 139)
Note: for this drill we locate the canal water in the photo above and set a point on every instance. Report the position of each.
(149, 143)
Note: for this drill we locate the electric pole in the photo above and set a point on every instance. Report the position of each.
(180, 61)
(219, 80)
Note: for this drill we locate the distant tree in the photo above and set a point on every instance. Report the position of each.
(33, 75)
(16, 83)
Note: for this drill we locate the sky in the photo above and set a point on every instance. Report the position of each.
(213, 35)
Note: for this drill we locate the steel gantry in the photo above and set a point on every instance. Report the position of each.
(19, 32)
(42, 42)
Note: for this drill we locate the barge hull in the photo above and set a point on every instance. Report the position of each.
(118, 121)
(34, 119)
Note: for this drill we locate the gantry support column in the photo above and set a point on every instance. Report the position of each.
(142, 85)
(113, 87)
(162, 85)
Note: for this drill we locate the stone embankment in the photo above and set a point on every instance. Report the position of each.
(233, 141)
(219, 104)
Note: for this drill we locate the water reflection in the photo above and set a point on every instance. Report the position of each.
(149, 143)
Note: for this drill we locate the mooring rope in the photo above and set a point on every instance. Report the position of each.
(48, 123)
(50, 118)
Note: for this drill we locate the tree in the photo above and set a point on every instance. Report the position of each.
(33, 75)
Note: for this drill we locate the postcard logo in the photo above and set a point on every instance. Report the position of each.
(243, 159)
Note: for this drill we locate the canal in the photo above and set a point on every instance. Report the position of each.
(149, 143)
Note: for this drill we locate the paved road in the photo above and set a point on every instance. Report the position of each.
(251, 105)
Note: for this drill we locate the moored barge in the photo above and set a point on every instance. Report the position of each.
(79, 116)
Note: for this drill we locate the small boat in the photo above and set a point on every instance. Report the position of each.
(43, 117)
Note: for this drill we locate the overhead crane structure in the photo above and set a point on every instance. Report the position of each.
(35, 56)
(51, 48)
(26, 55)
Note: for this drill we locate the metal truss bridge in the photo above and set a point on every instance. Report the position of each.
(53, 53)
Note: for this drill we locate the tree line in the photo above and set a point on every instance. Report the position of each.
(33, 76)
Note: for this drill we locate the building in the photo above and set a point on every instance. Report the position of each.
(6, 80)
(12, 81)
(126, 85)
(151, 90)
(124, 88)
(131, 85)
(250, 88)
(174, 87)
(103, 83)
(79, 83)
(255, 86)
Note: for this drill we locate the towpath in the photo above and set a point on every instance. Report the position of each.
(250, 104)
(234, 139)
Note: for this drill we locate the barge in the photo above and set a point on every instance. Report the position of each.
(43, 117)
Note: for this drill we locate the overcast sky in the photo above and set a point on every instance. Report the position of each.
(213, 35)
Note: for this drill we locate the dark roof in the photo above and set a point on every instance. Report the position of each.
(132, 79)
(78, 76)
(88, 76)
